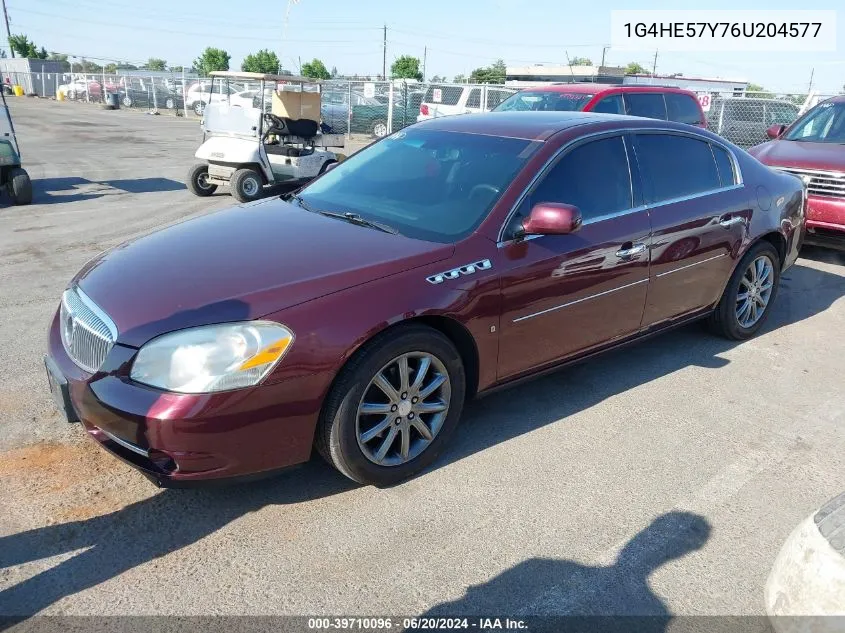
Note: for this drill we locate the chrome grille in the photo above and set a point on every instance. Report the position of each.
(822, 183)
(88, 334)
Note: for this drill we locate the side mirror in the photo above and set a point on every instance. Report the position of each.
(552, 218)
(774, 131)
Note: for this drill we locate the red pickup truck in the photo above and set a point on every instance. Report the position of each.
(813, 147)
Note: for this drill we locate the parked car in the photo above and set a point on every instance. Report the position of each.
(653, 102)
(437, 278)
(143, 92)
(813, 148)
(451, 99)
(199, 95)
(371, 118)
(82, 88)
(743, 121)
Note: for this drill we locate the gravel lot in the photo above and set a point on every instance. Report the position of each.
(658, 479)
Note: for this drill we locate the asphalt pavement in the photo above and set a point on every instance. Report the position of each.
(659, 479)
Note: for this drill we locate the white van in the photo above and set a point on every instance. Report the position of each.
(451, 99)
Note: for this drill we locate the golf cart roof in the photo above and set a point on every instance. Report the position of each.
(262, 76)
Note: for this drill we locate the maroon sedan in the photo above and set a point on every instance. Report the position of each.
(813, 147)
(455, 256)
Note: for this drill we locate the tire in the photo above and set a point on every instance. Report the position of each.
(197, 182)
(170, 103)
(725, 319)
(19, 186)
(71, 95)
(199, 108)
(380, 129)
(337, 437)
(247, 185)
(127, 101)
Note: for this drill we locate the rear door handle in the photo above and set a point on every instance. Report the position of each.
(632, 252)
(728, 222)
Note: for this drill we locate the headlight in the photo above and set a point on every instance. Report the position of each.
(213, 357)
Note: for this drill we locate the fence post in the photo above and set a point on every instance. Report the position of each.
(349, 112)
(153, 88)
(390, 108)
(43, 82)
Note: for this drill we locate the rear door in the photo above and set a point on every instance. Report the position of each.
(699, 213)
(565, 294)
(645, 104)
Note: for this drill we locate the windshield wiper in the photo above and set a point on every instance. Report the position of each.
(354, 218)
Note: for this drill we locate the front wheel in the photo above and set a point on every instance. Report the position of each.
(127, 102)
(246, 185)
(199, 108)
(751, 291)
(379, 129)
(71, 94)
(170, 103)
(198, 181)
(20, 186)
(393, 407)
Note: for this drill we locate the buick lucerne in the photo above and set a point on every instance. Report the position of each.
(357, 315)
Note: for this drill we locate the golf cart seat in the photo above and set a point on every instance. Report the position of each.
(303, 128)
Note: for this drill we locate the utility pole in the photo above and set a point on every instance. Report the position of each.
(603, 51)
(384, 56)
(654, 68)
(8, 32)
(425, 54)
(810, 87)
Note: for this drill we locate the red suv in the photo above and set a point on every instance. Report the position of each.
(653, 102)
(813, 147)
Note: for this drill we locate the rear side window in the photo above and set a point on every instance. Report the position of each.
(610, 105)
(594, 177)
(474, 98)
(447, 95)
(725, 166)
(682, 108)
(675, 166)
(495, 97)
(647, 105)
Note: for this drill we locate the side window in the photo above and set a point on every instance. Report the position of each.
(725, 166)
(646, 105)
(495, 97)
(682, 108)
(474, 98)
(594, 177)
(675, 166)
(610, 105)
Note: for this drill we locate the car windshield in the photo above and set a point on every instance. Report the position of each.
(823, 124)
(545, 101)
(430, 185)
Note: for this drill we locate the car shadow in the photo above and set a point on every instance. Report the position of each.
(566, 588)
(75, 188)
(174, 519)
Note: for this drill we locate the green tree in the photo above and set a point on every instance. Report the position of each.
(154, 63)
(635, 69)
(315, 69)
(438, 79)
(212, 59)
(759, 91)
(176, 69)
(26, 48)
(406, 67)
(581, 61)
(264, 61)
(458, 79)
(334, 72)
(493, 74)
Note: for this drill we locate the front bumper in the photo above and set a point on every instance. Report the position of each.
(826, 221)
(181, 439)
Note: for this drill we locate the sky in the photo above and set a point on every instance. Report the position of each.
(459, 35)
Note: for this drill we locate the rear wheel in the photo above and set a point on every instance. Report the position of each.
(380, 129)
(747, 300)
(20, 186)
(199, 108)
(198, 181)
(71, 94)
(127, 101)
(246, 185)
(393, 407)
(170, 103)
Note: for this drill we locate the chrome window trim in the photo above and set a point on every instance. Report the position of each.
(740, 182)
(582, 299)
(703, 261)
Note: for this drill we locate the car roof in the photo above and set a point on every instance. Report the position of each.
(591, 88)
(537, 126)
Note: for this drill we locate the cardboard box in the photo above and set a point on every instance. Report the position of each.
(297, 105)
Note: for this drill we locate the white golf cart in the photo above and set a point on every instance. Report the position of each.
(276, 141)
(13, 177)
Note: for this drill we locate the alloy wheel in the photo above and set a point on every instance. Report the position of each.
(403, 408)
(755, 290)
(380, 130)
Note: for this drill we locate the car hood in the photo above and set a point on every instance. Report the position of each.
(241, 263)
(798, 154)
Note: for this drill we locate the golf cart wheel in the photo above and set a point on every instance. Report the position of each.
(19, 186)
(127, 102)
(198, 181)
(246, 185)
(380, 129)
(170, 103)
(199, 108)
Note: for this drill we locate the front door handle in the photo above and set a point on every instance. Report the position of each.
(728, 222)
(629, 253)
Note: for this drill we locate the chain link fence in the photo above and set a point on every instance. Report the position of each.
(365, 110)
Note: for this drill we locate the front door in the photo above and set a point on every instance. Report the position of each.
(565, 294)
(699, 216)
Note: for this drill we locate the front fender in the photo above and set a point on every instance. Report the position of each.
(228, 149)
